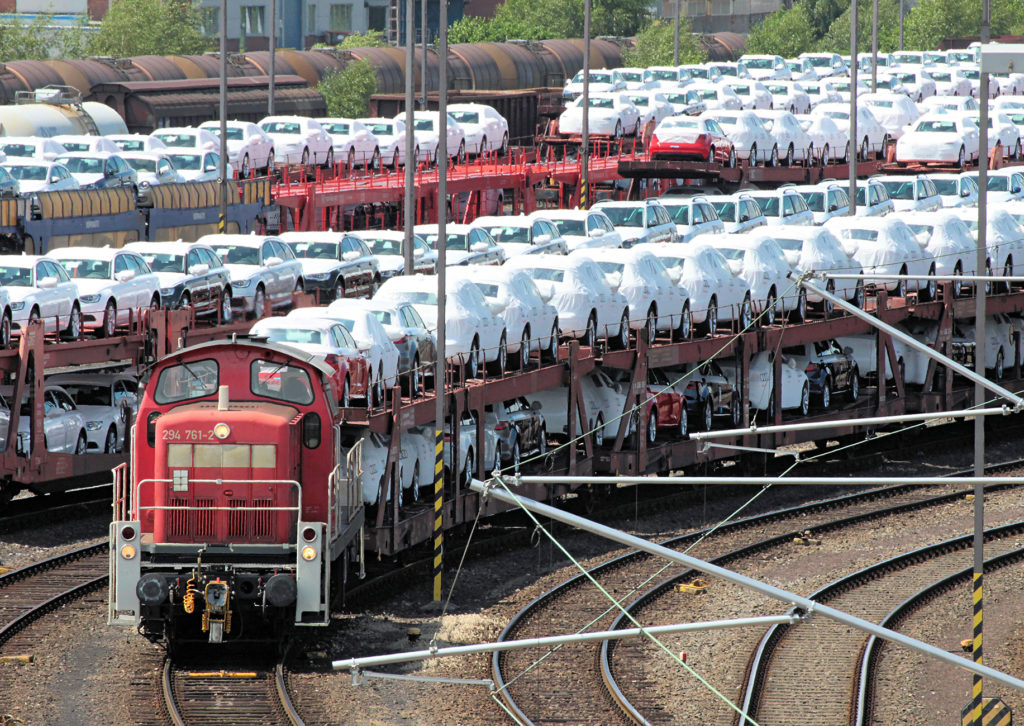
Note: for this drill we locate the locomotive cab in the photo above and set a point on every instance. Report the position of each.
(238, 502)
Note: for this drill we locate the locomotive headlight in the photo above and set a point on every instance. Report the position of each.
(309, 554)
(222, 431)
(128, 552)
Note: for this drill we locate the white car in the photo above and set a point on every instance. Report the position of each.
(818, 92)
(113, 285)
(783, 206)
(692, 215)
(582, 228)
(40, 289)
(751, 140)
(893, 111)
(788, 96)
(919, 86)
(873, 135)
(137, 142)
(634, 78)
(817, 249)
(1004, 238)
(32, 147)
(388, 247)
(152, 168)
(664, 77)
(939, 138)
(522, 235)
(187, 138)
(655, 301)
(63, 424)
(826, 65)
(106, 403)
(604, 403)
(485, 129)
(334, 264)
(262, 269)
(945, 237)
(801, 69)
(464, 244)
(949, 103)
(947, 81)
(956, 190)
(354, 144)
(1010, 84)
(763, 67)
(795, 392)
(793, 143)
(1003, 185)
(531, 324)
(717, 96)
(640, 221)
(40, 175)
(601, 80)
(883, 245)
(587, 307)
(737, 212)
(698, 73)
(469, 455)
(753, 93)
(684, 102)
(426, 129)
(610, 114)
(390, 135)
(249, 146)
(826, 200)
(652, 105)
(762, 263)
(371, 340)
(973, 74)
(831, 142)
(911, 193)
(873, 199)
(82, 142)
(196, 165)
(374, 456)
(473, 334)
(299, 140)
(841, 86)
(716, 292)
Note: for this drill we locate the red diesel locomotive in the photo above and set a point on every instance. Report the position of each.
(239, 509)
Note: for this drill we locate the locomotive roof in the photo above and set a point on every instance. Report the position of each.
(300, 355)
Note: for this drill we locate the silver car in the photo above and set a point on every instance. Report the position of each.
(263, 269)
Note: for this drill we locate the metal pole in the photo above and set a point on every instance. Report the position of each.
(742, 481)
(979, 366)
(423, 60)
(585, 128)
(273, 52)
(885, 276)
(901, 24)
(409, 203)
(854, 146)
(556, 640)
(675, 47)
(222, 167)
(874, 46)
(442, 220)
(868, 421)
(953, 366)
(776, 593)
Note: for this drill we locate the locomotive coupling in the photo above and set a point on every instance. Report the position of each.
(217, 615)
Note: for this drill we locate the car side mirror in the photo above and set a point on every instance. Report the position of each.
(418, 252)
(597, 232)
(536, 406)
(273, 261)
(350, 255)
(833, 207)
(744, 217)
(848, 350)
(108, 172)
(201, 269)
(125, 275)
(478, 247)
(965, 193)
(542, 239)
(47, 283)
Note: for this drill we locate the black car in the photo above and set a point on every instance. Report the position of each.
(191, 274)
(709, 392)
(829, 367)
(341, 265)
(520, 429)
(417, 345)
(100, 170)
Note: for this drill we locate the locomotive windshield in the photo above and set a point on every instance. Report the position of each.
(187, 380)
(280, 381)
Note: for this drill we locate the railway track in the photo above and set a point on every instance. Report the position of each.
(566, 680)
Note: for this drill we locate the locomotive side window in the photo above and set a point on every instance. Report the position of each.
(186, 381)
(280, 381)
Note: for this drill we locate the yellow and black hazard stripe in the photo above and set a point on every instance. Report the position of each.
(976, 701)
(438, 514)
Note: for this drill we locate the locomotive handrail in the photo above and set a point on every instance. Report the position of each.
(163, 507)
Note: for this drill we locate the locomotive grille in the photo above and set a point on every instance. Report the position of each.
(178, 518)
(257, 524)
(263, 521)
(204, 519)
(236, 518)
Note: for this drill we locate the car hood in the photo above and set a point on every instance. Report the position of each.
(93, 413)
(169, 279)
(87, 179)
(287, 140)
(313, 266)
(241, 272)
(390, 263)
(91, 287)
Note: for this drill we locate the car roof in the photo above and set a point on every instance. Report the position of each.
(93, 253)
(168, 246)
(328, 236)
(245, 240)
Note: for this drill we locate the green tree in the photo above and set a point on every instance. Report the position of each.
(347, 92)
(41, 39)
(372, 39)
(837, 39)
(785, 32)
(472, 29)
(542, 19)
(150, 27)
(932, 20)
(655, 45)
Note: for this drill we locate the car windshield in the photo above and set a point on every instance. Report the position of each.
(680, 214)
(971, 74)
(922, 231)
(18, 149)
(86, 268)
(662, 75)
(27, 172)
(89, 394)
(165, 261)
(420, 298)
(177, 140)
(732, 253)
(998, 183)
(899, 189)
(81, 165)
(625, 216)
(869, 235)
(726, 210)
(906, 77)
(759, 62)
(458, 241)
(946, 187)
(384, 246)
(940, 77)
(282, 127)
(489, 290)
(547, 273)
(294, 335)
(466, 117)
(75, 145)
(601, 103)
(819, 62)
(141, 164)
(675, 123)
(503, 233)
(707, 93)
(238, 255)
(843, 115)
(423, 124)
(600, 78)
(336, 128)
(1017, 119)
(727, 120)
(16, 276)
(381, 129)
(609, 267)
(315, 250)
(787, 243)
(384, 317)
(570, 227)
(769, 205)
(878, 103)
(233, 133)
(631, 76)
(942, 127)
(815, 200)
(187, 162)
(640, 100)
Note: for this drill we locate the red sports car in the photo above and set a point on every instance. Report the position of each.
(681, 137)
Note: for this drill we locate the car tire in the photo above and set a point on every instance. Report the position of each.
(752, 157)
(339, 288)
(958, 285)
(711, 155)
(259, 303)
(599, 430)
(858, 294)
(618, 130)
(82, 444)
(799, 313)
(467, 473)
(961, 159)
(473, 360)
(375, 158)
(790, 156)
(731, 163)
(824, 155)
(865, 149)
(651, 324)
(590, 335)
(685, 328)
(524, 349)
(74, 329)
(711, 321)
(415, 378)
(269, 168)
(224, 301)
(707, 414)
(500, 364)
(245, 168)
(769, 308)
(329, 159)
(304, 159)
(854, 390)
(826, 393)
(622, 341)
(1000, 367)
(394, 161)
(346, 394)
(5, 331)
(516, 458)
(684, 424)
(483, 147)
(109, 327)
(504, 145)
(110, 441)
(185, 301)
(551, 352)
(461, 157)
(746, 313)
(805, 399)
(652, 426)
(773, 160)
(931, 287)
(901, 285)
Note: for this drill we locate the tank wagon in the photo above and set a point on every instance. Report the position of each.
(239, 514)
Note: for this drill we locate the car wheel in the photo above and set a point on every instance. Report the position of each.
(551, 352)
(467, 474)
(1018, 152)
(623, 339)
(461, 157)
(684, 424)
(865, 149)
(346, 394)
(858, 294)
(82, 445)
(305, 158)
(958, 284)
(901, 285)
(685, 323)
(652, 425)
(770, 411)
(618, 130)
(339, 289)
(826, 393)
(746, 313)
(259, 303)
(270, 163)
(225, 305)
(300, 288)
(652, 324)
(186, 300)
(415, 378)
(846, 152)
(805, 400)
(74, 329)
(245, 168)
(707, 415)
(711, 155)
(109, 320)
(329, 159)
(711, 321)
(110, 442)
(599, 430)
(394, 161)
(769, 308)
(752, 157)
(824, 155)
(590, 335)
(735, 411)
(504, 145)
(33, 315)
(515, 457)
(5, 331)
(931, 287)
(773, 160)
(799, 313)
(885, 145)
(790, 156)
(375, 159)
(999, 367)
(483, 147)
(854, 391)
(524, 349)
(501, 363)
(961, 159)
(473, 360)
(1007, 271)
(732, 158)
(378, 388)
(542, 442)
(350, 161)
